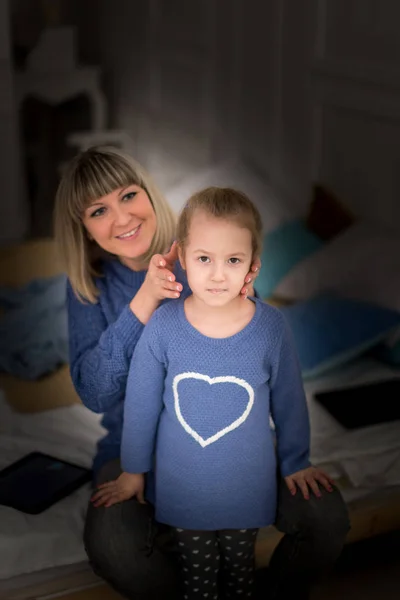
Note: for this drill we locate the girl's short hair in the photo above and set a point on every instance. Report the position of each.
(224, 203)
(92, 174)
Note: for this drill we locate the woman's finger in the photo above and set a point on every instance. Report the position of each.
(169, 285)
(159, 265)
(165, 275)
(170, 294)
(172, 256)
(157, 261)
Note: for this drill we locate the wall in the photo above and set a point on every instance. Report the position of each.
(303, 90)
(13, 206)
(204, 82)
(356, 104)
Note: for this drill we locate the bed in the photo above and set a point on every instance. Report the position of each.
(48, 415)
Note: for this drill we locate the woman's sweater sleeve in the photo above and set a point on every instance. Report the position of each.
(100, 354)
(289, 407)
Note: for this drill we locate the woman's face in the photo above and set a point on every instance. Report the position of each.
(122, 223)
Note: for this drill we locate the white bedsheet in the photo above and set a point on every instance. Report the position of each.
(370, 457)
(54, 538)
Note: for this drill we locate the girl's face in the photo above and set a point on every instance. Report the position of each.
(122, 223)
(217, 258)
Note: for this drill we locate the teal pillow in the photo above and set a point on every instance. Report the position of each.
(283, 248)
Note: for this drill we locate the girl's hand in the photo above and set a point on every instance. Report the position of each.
(309, 478)
(127, 486)
(248, 288)
(159, 284)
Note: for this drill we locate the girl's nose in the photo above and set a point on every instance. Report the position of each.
(218, 272)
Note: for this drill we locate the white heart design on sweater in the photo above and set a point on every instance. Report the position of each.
(212, 381)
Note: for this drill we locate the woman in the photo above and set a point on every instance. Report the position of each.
(114, 231)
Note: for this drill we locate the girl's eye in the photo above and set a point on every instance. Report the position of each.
(204, 259)
(234, 260)
(128, 196)
(98, 212)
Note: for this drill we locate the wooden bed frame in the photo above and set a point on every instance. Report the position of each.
(372, 515)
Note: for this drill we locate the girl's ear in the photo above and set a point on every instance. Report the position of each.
(181, 257)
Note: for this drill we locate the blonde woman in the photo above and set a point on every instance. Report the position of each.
(115, 234)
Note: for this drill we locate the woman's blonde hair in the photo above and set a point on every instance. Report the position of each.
(92, 174)
(223, 203)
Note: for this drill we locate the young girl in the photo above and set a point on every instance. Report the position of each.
(206, 374)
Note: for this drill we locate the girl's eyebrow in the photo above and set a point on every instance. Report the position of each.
(229, 253)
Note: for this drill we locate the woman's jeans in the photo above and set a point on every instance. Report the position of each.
(136, 556)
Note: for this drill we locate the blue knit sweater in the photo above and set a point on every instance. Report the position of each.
(102, 338)
(199, 408)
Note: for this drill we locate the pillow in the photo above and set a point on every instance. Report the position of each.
(282, 249)
(362, 263)
(327, 216)
(274, 210)
(330, 330)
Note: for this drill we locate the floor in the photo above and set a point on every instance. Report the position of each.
(366, 571)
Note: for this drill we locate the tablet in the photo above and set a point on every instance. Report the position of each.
(363, 405)
(37, 481)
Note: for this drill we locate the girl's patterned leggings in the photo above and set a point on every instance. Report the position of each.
(217, 564)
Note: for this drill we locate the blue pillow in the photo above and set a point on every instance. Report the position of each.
(329, 330)
(283, 248)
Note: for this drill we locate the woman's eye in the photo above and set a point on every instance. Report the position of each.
(204, 259)
(98, 212)
(128, 196)
(234, 260)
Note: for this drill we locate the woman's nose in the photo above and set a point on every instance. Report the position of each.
(121, 216)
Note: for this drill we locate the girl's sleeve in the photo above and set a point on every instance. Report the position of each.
(143, 401)
(289, 407)
(100, 354)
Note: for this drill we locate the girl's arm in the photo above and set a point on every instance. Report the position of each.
(289, 407)
(143, 401)
(100, 354)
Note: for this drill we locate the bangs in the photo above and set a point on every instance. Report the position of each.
(98, 177)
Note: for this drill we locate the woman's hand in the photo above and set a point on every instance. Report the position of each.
(248, 288)
(127, 486)
(307, 479)
(160, 279)
(159, 284)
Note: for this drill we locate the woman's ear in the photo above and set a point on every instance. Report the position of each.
(181, 256)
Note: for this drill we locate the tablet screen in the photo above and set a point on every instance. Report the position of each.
(37, 481)
(363, 405)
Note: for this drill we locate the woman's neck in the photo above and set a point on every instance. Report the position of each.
(134, 264)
